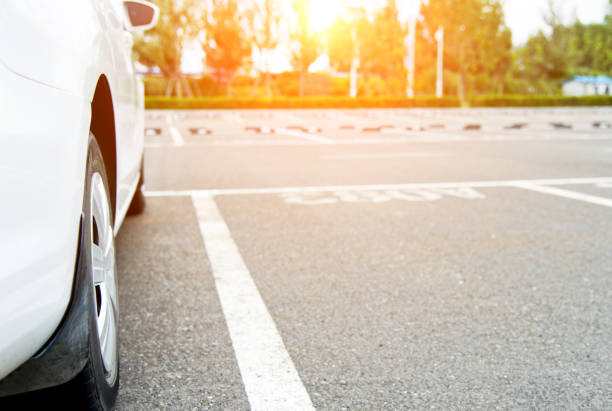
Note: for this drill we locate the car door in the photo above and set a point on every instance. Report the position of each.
(128, 103)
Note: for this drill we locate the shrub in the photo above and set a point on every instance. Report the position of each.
(295, 102)
(155, 102)
(538, 101)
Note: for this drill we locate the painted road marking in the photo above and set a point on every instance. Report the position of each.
(269, 376)
(380, 196)
(177, 138)
(403, 132)
(314, 139)
(304, 135)
(234, 143)
(574, 195)
(378, 187)
(288, 116)
(356, 156)
(234, 117)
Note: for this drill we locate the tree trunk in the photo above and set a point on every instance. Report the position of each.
(267, 77)
(228, 90)
(197, 90)
(500, 84)
(179, 88)
(169, 86)
(255, 85)
(187, 87)
(301, 89)
(461, 86)
(267, 82)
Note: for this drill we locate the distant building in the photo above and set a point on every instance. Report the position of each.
(588, 86)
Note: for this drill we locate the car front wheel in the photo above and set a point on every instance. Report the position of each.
(97, 385)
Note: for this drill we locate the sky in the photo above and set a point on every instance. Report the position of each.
(524, 17)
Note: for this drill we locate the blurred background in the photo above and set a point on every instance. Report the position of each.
(439, 49)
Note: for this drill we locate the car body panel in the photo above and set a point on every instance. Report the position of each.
(52, 55)
(42, 192)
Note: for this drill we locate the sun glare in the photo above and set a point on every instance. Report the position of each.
(323, 13)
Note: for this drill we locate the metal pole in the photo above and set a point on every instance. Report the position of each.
(355, 13)
(410, 43)
(440, 70)
(353, 76)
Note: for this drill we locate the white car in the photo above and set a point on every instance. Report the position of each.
(71, 149)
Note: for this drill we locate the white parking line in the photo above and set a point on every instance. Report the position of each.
(177, 138)
(303, 135)
(270, 378)
(424, 154)
(233, 117)
(287, 116)
(313, 138)
(574, 195)
(235, 143)
(381, 196)
(375, 187)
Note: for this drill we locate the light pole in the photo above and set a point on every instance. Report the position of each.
(355, 13)
(410, 44)
(354, 65)
(440, 68)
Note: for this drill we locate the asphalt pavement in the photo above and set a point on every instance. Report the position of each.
(370, 259)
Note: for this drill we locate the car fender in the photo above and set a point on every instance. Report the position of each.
(50, 81)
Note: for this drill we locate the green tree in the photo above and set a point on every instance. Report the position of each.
(476, 39)
(591, 46)
(382, 51)
(545, 60)
(162, 46)
(355, 39)
(227, 45)
(306, 43)
(425, 63)
(340, 45)
(575, 49)
(265, 21)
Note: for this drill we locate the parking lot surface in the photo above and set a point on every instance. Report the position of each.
(370, 259)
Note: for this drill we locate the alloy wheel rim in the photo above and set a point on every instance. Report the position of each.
(104, 277)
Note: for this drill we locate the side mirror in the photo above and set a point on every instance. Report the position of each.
(141, 14)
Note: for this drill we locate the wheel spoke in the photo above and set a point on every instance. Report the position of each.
(104, 276)
(111, 279)
(99, 264)
(106, 241)
(100, 208)
(107, 331)
(109, 354)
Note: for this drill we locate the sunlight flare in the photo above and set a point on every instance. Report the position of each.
(323, 13)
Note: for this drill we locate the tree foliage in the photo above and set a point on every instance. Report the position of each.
(577, 49)
(382, 51)
(478, 54)
(226, 44)
(340, 45)
(378, 43)
(265, 30)
(476, 39)
(306, 45)
(162, 46)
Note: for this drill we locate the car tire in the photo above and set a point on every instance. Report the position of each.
(97, 385)
(138, 204)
